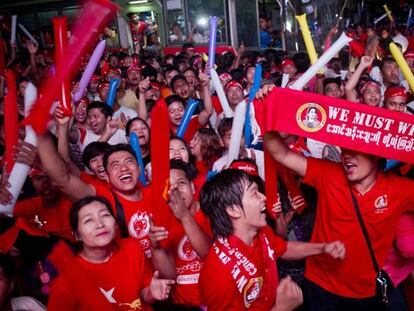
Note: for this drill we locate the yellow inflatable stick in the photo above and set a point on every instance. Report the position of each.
(310, 48)
(405, 69)
(388, 13)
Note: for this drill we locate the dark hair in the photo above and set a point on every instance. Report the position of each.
(176, 78)
(92, 150)
(129, 124)
(302, 62)
(174, 98)
(191, 69)
(77, 206)
(188, 168)
(224, 126)
(169, 68)
(191, 158)
(105, 109)
(223, 191)
(115, 148)
(327, 81)
(6, 262)
(386, 60)
(149, 71)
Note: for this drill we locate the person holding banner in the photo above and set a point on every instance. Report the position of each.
(349, 285)
(245, 250)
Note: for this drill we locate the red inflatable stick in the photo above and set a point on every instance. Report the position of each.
(160, 160)
(11, 119)
(95, 15)
(61, 41)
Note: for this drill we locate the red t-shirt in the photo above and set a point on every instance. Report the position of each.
(92, 179)
(137, 214)
(118, 281)
(380, 207)
(54, 219)
(187, 262)
(218, 289)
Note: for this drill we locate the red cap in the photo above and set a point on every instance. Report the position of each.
(95, 78)
(245, 166)
(233, 83)
(225, 75)
(287, 62)
(393, 91)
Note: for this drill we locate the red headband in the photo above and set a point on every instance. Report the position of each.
(395, 91)
(133, 68)
(233, 83)
(225, 75)
(367, 84)
(247, 167)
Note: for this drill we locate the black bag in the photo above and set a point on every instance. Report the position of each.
(383, 282)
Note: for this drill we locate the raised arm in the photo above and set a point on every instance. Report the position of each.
(281, 153)
(299, 250)
(205, 94)
(199, 240)
(58, 171)
(142, 108)
(350, 92)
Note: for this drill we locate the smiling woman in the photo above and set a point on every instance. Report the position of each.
(106, 272)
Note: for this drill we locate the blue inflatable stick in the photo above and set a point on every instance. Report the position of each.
(134, 142)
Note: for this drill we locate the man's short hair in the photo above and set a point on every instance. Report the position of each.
(92, 150)
(189, 169)
(176, 78)
(105, 109)
(115, 148)
(327, 81)
(174, 98)
(224, 190)
(387, 60)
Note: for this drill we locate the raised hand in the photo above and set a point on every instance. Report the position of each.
(177, 203)
(25, 153)
(5, 196)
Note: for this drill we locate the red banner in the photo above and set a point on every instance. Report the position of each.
(341, 123)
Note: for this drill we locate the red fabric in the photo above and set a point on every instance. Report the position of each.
(233, 83)
(193, 126)
(217, 287)
(160, 157)
(61, 41)
(342, 123)
(336, 220)
(92, 179)
(80, 285)
(54, 219)
(393, 91)
(216, 104)
(137, 214)
(11, 119)
(188, 264)
(200, 179)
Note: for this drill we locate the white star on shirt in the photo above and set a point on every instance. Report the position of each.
(108, 294)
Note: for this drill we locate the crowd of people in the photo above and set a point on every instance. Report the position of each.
(90, 232)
